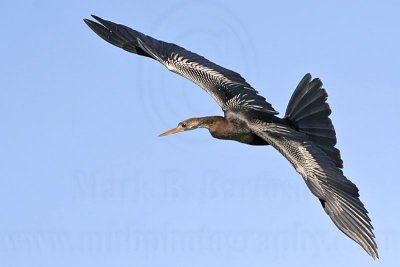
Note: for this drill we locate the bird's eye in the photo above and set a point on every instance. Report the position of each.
(183, 125)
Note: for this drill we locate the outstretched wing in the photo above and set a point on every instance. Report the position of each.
(228, 88)
(338, 195)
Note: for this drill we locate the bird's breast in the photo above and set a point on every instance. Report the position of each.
(245, 138)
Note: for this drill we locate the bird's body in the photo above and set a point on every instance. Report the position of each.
(305, 136)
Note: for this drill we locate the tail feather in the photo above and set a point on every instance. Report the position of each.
(309, 99)
(317, 123)
(309, 113)
(323, 135)
(333, 153)
(297, 95)
(313, 111)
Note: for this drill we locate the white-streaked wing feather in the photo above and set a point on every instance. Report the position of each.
(228, 88)
(338, 195)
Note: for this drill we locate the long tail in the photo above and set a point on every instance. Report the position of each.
(309, 113)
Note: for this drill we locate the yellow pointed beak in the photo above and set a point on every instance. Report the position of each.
(173, 131)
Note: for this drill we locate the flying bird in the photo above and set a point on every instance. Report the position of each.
(305, 136)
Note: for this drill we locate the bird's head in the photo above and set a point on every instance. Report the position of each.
(186, 125)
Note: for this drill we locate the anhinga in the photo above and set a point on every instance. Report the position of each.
(305, 136)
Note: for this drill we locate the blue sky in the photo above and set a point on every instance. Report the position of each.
(85, 181)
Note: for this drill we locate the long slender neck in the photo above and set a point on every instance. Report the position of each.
(221, 128)
(218, 127)
(210, 122)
